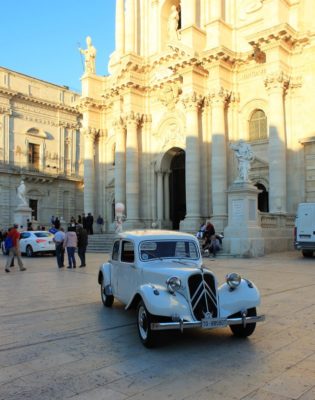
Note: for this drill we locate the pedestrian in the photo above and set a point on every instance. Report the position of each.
(4, 250)
(57, 223)
(89, 223)
(79, 219)
(60, 251)
(82, 243)
(70, 243)
(14, 249)
(84, 221)
(100, 223)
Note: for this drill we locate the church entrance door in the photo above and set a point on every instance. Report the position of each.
(177, 188)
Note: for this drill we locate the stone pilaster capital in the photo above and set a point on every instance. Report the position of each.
(5, 110)
(192, 101)
(102, 133)
(89, 134)
(119, 123)
(146, 120)
(219, 97)
(132, 119)
(295, 83)
(276, 82)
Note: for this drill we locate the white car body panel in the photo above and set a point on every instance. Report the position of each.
(38, 244)
(199, 296)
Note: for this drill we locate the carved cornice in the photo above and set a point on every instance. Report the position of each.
(13, 95)
(89, 104)
(283, 35)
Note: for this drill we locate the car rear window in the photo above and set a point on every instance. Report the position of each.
(43, 234)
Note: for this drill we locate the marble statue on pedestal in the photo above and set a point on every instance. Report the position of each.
(21, 189)
(244, 155)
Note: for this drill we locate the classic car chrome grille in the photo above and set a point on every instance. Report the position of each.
(203, 295)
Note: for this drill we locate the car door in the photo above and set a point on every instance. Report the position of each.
(114, 271)
(128, 272)
(24, 238)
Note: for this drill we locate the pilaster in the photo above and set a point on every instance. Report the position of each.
(192, 103)
(276, 84)
(120, 161)
(89, 168)
(219, 159)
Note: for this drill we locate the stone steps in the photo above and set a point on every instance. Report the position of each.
(100, 243)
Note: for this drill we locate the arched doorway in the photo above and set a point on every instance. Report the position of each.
(263, 198)
(177, 188)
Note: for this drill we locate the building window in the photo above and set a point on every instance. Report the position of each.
(258, 125)
(33, 154)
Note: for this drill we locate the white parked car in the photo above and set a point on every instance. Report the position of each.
(160, 274)
(35, 242)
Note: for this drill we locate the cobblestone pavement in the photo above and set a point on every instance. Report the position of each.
(57, 341)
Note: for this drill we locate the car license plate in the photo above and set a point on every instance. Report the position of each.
(213, 323)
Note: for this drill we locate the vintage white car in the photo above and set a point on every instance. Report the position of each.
(161, 275)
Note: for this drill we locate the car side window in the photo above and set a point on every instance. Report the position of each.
(127, 252)
(115, 253)
(25, 235)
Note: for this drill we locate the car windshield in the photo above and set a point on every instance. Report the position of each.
(161, 249)
(43, 234)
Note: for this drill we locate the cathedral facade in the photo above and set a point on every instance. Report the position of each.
(187, 80)
(41, 145)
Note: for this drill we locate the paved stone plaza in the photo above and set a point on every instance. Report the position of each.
(57, 341)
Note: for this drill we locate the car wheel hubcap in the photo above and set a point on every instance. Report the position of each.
(143, 322)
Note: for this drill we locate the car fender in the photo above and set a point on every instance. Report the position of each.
(159, 301)
(105, 272)
(231, 301)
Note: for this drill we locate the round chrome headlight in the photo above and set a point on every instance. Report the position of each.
(173, 284)
(233, 280)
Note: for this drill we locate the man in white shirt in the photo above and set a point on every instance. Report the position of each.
(60, 251)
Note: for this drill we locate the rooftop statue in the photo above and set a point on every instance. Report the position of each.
(172, 25)
(90, 55)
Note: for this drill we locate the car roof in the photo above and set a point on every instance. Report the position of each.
(155, 234)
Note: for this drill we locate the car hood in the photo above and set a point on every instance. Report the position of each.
(159, 271)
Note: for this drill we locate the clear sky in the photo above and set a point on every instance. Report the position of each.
(40, 38)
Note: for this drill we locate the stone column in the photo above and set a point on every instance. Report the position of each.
(188, 13)
(192, 220)
(218, 160)
(4, 134)
(275, 85)
(61, 147)
(160, 196)
(120, 26)
(205, 156)
(130, 26)
(89, 173)
(167, 196)
(120, 162)
(132, 171)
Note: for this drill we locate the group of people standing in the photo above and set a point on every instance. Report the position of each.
(86, 221)
(76, 238)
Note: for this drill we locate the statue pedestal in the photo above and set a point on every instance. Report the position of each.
(243, 234)
(21, 214)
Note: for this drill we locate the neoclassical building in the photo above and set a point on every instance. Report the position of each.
(40, 143)
(187, 78)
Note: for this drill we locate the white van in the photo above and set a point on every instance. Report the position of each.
(304, 232)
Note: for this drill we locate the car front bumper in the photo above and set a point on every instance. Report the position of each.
(207, 323)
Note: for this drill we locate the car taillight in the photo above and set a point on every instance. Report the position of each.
(40, 241)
